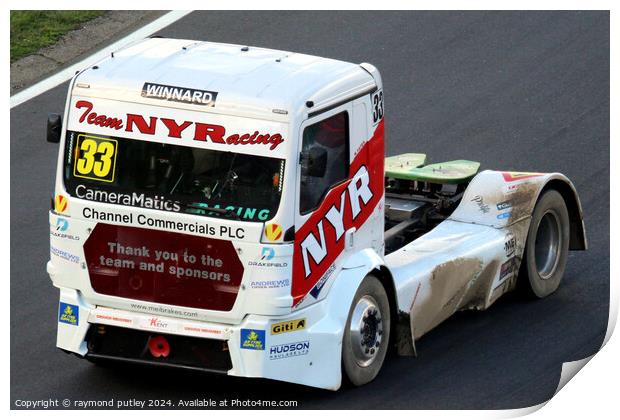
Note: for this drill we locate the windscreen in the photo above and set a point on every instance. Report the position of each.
(172, 178)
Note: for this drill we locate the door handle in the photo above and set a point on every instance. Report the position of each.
(349, 238)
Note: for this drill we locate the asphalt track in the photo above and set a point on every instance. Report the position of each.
(516, 91)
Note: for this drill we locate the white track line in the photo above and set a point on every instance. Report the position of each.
(66, 74)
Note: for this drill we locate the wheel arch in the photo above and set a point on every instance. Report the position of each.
(518, 194)
(578, 239)
(401, 337)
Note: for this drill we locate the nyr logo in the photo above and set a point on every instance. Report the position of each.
(159, 126)
(179, 94)
(347, 206)
(315, 246)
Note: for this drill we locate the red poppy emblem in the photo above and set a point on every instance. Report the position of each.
(159, 346)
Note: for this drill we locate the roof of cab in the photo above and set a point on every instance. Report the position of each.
(248, 80)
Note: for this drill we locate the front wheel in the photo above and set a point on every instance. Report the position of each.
(367, 333)
(546, 249)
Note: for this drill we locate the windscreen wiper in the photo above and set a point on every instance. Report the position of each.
(218, 210)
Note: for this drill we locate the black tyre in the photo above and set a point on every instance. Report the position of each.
(367, 332)
(546, 248)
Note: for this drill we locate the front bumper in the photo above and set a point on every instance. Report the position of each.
(308, 355)
(109, 343)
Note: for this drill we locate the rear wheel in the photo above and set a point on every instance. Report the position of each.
(546, 249)
(367, 333)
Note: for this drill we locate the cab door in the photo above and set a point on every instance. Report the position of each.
(339, 194)
(322, 175)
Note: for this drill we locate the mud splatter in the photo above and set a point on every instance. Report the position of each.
(519, 201)
(520, 231)
(523, 200)
(448, 284)
(476, 295)
(403, 338)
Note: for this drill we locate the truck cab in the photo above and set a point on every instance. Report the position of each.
(205, 190)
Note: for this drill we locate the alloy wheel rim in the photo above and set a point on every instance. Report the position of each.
(366, 330)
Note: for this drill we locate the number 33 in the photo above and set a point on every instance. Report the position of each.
(96, 160)
(377, 104)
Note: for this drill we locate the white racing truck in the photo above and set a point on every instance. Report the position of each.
(229, 209)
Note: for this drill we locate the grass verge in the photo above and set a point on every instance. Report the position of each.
(32, 30)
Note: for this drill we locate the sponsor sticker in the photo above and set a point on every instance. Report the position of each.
(158, 323)
(505, 215)
(68, 314)
(288, 326)
(273, 232)
(245, 213)
(62, 224)
(59, 231)
(316, 290)
(64, 255)
(60, 204)
(113, 318)
(159, 223)
(269, 284)
(268, 264)
(175, 129)
(516, 176)
(203, 330)
(482, 206)
(510, 244)
(267, 253)
(133, 199)
(507, 268)
(252, 339)
(179, 94)
(504, 205)
(282, 351)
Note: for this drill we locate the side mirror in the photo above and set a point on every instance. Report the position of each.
(314, 162)
(54, 127)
